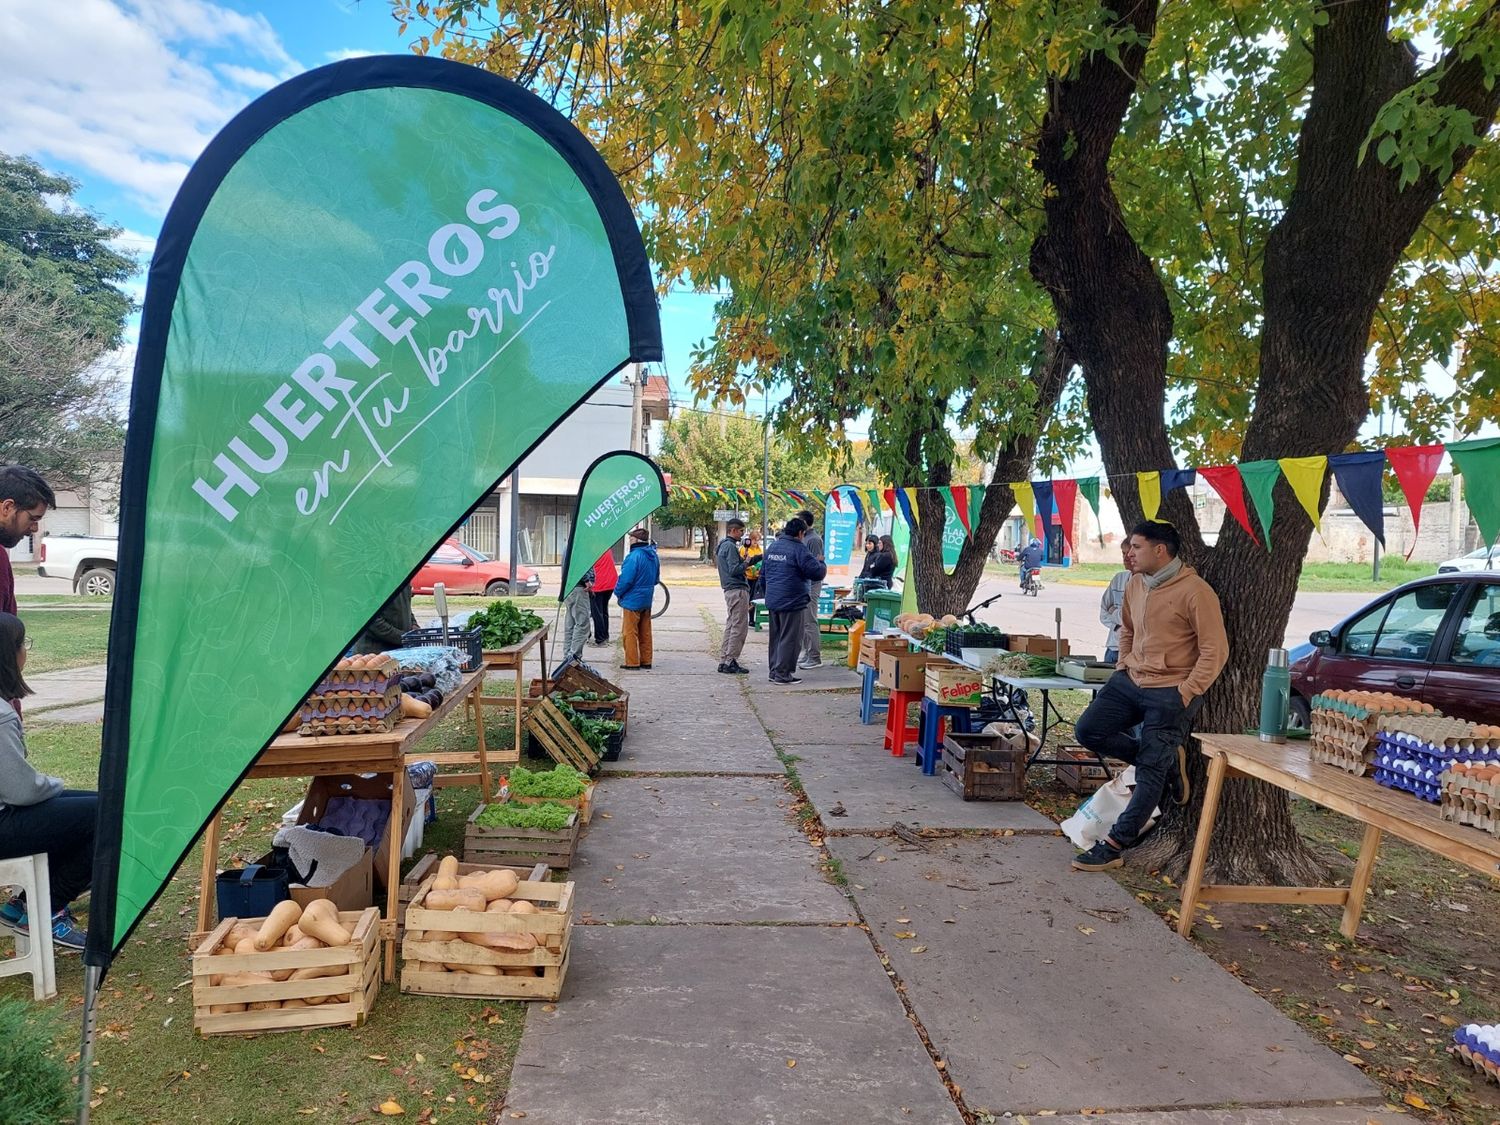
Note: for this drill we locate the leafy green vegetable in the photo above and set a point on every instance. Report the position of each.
(561, 782)
(547, 817)
(594, 731)
(503, 623)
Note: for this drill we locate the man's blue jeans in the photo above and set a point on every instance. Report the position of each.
(1165, 724)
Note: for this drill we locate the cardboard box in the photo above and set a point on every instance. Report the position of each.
(376, 788)
(353, 890)
(1038, 644)
(954, 685)
(870, 648)
(904, 671)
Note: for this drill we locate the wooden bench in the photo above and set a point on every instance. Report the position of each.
(1288, 766)
(828, 624)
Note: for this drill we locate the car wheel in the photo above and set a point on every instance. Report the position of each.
(97, 583)
(1298, 716)
(497, 590)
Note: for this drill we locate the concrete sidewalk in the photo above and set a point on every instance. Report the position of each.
(67, 695)
(730, 966)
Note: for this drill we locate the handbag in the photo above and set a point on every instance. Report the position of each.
(251, 892)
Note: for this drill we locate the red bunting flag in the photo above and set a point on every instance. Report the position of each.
(1414, 466)
(890, 499)
(1065, 492)
(837, 503)
(960, 495)
(1225, 480)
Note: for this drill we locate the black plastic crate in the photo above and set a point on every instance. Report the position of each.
(958, 638)
(469, 643)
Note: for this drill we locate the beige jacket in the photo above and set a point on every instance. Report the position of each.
(1173, 636)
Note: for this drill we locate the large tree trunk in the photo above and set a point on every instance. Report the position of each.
(1328, 260)
(937, 591)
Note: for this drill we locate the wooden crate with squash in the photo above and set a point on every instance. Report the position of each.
(427, 866)
(295, 968)
(486, 934)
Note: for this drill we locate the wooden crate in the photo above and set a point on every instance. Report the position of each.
(427, 865)
(510, 847)
(954, 685)
(1083, 774)
(550, 728)
(351, 994)
(870, 648)
(983, 767)
(584, 803)
(548, 963)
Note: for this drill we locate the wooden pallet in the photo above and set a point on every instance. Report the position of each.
(427, 865)
(549, 727)
(536, 974)
(982, 767)
(348, 996)
(510, 847)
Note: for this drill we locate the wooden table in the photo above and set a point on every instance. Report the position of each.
(1381, 810)
(512, 658)
(291, 755)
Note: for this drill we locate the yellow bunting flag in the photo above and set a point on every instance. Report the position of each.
(1150, 485)
(911, 500)
(1026, 499)
(1305, 475)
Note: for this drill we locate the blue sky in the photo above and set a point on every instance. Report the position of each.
(122, 95)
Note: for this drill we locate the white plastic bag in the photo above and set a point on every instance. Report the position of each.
(1096, 816)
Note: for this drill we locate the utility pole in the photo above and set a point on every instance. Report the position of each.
(765, 477)
(637, 378)
(515, 532)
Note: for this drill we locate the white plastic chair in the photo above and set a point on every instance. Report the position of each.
(33, 954)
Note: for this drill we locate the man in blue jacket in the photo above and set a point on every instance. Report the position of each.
(634, 590)
(788, 568)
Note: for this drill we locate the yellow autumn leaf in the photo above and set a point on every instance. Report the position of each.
(1416, 1101)
(391, 1108)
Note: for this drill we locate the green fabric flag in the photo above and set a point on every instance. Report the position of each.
(1260, 482)
(909, 587)
(953, 531)
(618, 491)
(1479, 463)
(1088, 488)
(976, 503)
(365, 307)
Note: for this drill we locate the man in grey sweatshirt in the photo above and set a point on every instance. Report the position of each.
(812, 636)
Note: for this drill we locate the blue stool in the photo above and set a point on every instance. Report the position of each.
(869, 706)
(929, 746)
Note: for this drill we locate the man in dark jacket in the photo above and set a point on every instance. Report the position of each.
(736, 598)
(385, 630)
(788, 570)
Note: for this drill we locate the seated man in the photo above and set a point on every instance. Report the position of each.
(1172, 648)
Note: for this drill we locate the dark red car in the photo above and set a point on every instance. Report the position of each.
(1435, 639)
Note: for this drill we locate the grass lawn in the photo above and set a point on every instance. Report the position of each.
(66, 638)
(439, 1059)
(1317, 578)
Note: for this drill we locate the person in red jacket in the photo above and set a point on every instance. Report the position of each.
(605, 576)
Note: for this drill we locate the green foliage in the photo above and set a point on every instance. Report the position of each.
(547, 817)
(560, 782)
(503, 623)
(594, 731)
(36, 1087)
(729, 451)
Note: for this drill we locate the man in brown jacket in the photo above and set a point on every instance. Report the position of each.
(1172, 648)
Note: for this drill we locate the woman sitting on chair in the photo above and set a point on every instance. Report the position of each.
(39, 813)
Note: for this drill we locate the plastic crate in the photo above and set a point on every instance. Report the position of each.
(957, 639)
(469, 644)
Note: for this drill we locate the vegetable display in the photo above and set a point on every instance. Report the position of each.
(1020, 664)
(594, 731)
(546, 817)
(503, 623)
(561, 782)
(288, 927)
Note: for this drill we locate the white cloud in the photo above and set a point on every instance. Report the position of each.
(248, 76)
(122, 91)
(349, 53)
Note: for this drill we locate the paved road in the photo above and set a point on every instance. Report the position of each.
(1080, 612)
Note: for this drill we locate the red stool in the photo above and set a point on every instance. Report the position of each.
(897, 732)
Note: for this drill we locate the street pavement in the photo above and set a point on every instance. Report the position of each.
(730, 966)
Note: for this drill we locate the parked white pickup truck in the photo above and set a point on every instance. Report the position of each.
(86, 561)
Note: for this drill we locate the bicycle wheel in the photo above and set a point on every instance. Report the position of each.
(661, 597)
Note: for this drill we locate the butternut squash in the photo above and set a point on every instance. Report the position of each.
(327, 930)
(283, 916)
(294, 1002)
(448, 865)
(313, 972)
(414, 708)
(238, 931)
(523, 907)
(292, 936)
(224, 1009)
(511, 943)
(499, 906)
(519, 970)
(264, 1005)
(237, 980)
(476, 970)
(499, 883)
(444, 883)
(246, 945)
(464, 898)
(441, 935)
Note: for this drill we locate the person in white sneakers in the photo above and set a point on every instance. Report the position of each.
(812, 636)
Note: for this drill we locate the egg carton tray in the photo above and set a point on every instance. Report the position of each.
(1488, 1065)
(350, 724)
(1452, 735)
(1427, 791)
(1442, 754)
(349, 706)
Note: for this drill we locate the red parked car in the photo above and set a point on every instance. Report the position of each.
(463, 570)
(1435, 639)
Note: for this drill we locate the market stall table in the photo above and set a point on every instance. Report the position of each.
(1381, 810)
(1051, 716)
(292, 755)
(512, 658)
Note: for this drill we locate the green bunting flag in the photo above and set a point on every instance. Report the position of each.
(364, 309)
(618, 491)
(954, 532)
(1479, 462)
(1260, 482)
